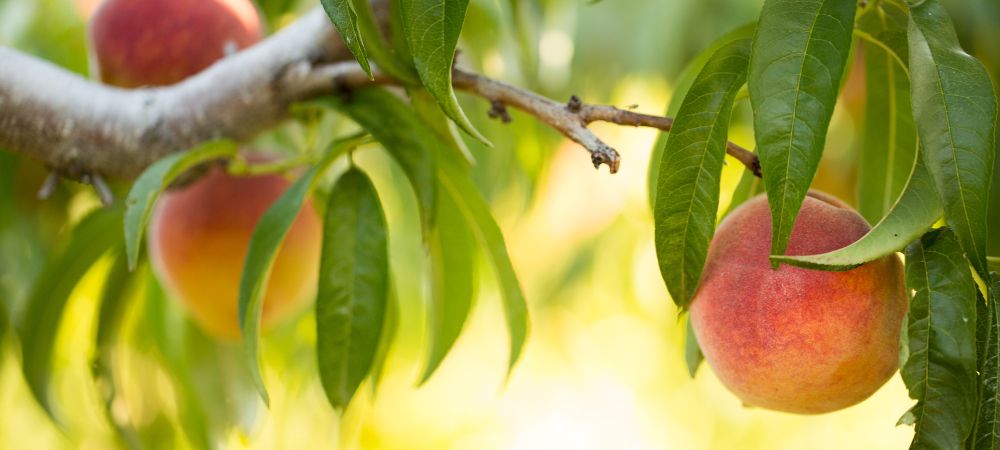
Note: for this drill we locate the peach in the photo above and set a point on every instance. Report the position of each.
(159, 42)
(198, 239)
(792, 339)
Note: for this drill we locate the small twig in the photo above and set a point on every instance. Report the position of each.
(100, 187)
(48, 186)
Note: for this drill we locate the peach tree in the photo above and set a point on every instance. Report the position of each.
(352, 77)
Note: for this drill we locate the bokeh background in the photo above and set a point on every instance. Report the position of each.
(604, 365)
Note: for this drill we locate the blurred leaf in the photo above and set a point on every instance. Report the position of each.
(403, 135)
(113, 303)
(263, 250)
(941, 370)
(395, 62)
(148, 187)
(748, 187)
(453, 268)
(39, 326)
(432, 28)
(353, 287)
(389, 331)
(914, 212)
(687, 204)
(986, 432)
(683, 84)
(344, 16)
(692, 351)
(956, 112)
(456, 183)
(798, 58)
(890, 136)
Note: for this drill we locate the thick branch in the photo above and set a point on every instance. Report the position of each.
(82, 128)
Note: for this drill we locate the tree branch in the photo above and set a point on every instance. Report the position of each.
(82, 129)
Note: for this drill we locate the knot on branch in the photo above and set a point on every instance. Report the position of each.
(499, 111)
(574, 105)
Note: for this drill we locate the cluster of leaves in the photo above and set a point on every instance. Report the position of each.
(355, 310)
(928, 152)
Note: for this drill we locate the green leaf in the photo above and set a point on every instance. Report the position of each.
(687, 203)
(692, 351)
(394, 124)
(986, 433)
(39, 326)
(956, 112)
(395, 62)
(389, 331)
(889, 144)
(683, 85)
(344, 16)
(798, 58)
(115, 295)
(941, 370)
(353, 287)
(263, 250)
(913, 213)
(456, 183)
(453, 268)
(148, 187)
(432, 28)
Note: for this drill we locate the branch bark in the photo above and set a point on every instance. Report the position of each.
(82, 129)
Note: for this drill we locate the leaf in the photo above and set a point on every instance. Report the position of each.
(432, 28)
(940, 373)
(453, 269)
(39, 326)
(692, 351)
(687, 201)
(889, 144)
(344, 16)
(353, 287)
(394, 62)
(916, 210)
(986, 433)
(263, 249)
(390, 328)
(148, 187)
(956, 111)
(115, 294)
(683, 85)
(798, 58)
(395, 125)
(456, 183)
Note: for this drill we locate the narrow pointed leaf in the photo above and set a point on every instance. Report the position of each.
(39, 326)
(148, 187)
(114, 302)
(394, 62)
(353, 287)
(916, 210)
(889, 142)
(956, 112)
(683, 85)
(798, 58)
(692, 351)
(986, 433)
(456, 183)
(262, 251)
(453, 271)
(343, 15)
(687, 201)
(432, 28)
(940, 372)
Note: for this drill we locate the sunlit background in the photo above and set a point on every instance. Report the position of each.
(604, 365)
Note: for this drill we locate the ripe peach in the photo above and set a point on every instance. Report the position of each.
(198, 240)
(158, 42)
(792, 339)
